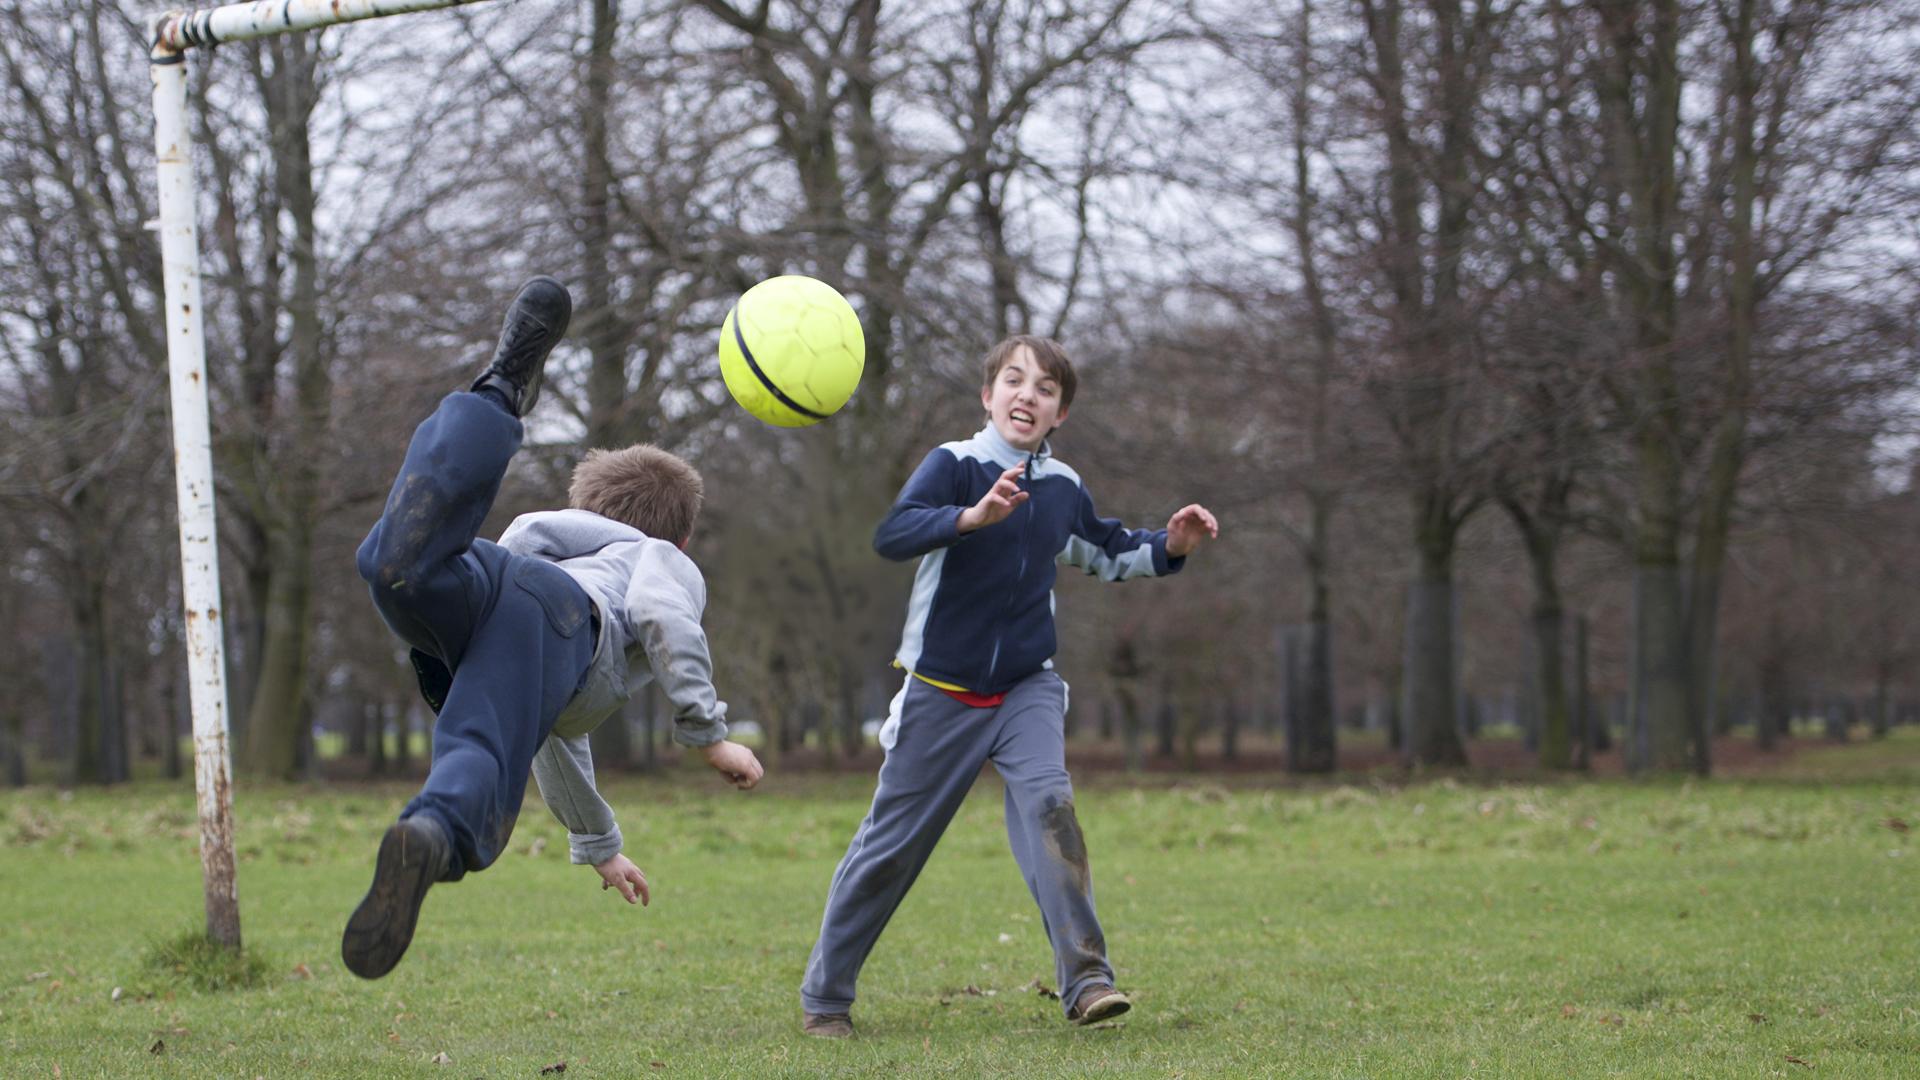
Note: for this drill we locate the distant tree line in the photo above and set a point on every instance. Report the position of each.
(1550, 363)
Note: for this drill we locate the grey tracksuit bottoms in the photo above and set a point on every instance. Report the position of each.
(935, 748)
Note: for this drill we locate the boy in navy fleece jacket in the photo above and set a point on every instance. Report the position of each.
(989, 517)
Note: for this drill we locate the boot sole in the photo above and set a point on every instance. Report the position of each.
(381, 928)
(1105, 1009)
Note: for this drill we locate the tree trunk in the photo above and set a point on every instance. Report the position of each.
(1639, 94)
(273, 723)
(1166, 718)
(1585, 740)
(280, 698)
(1549, 666)
(403, 746)
(1135, 752)
(95, 730)
(1432, 695)
(15, 756)
(1230, 730)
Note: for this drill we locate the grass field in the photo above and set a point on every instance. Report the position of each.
(1735, 928)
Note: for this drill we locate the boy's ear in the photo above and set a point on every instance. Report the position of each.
(1061, 419)
(986, 397)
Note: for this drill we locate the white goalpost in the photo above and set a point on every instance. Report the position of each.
(173, 33)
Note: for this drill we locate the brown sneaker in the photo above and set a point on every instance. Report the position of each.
(1096, 1003)
(827, 1025)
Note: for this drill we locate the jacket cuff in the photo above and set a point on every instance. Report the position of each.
(701, 735)
(588, 849)
(1163, 563)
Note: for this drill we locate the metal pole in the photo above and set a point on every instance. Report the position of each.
(172, 34)
(193, 487)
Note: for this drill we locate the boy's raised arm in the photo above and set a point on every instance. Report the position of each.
(926, 513)
(665, 600)
(1105, 547)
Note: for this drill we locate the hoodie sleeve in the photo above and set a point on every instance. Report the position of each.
(665, 600)
(1104, 547)
(564, 770)
(926, 513)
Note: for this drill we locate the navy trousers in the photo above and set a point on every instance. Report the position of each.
(936, 747)
(508, 638)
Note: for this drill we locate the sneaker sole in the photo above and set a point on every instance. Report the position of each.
(1105, 1009)
(381, 928)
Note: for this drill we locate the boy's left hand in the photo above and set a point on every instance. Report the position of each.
(1188, 528)
(620, 873)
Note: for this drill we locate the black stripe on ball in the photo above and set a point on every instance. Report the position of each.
(754, 366)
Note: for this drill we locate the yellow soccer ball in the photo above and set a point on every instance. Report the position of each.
(792, 351)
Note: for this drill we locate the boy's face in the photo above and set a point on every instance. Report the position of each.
(1024, 401)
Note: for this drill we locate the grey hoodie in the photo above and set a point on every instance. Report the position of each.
(649, 597)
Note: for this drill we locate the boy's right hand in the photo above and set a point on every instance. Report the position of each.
(619, 872)
(996, 504)
(735, 762)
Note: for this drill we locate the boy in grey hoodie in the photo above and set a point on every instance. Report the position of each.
(525, 646)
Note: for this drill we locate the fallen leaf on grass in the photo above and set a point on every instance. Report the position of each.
(1791, 1060)
(302, 971)
(556, 1067)
(1758, 1018)
(972, 990)
(115, 996)
(38, 975)
(1042, 989)
(1897, 825)
(1569, 1011)
(441, 1058)
(159, 1047)
(1006, 938)
(539, 845)
(657, 1064)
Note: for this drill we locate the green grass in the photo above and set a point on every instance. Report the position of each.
(1735, 928)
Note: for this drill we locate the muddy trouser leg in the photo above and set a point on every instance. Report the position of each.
(1031, 754)
(938, 748)
(425, 581)
(457, 599)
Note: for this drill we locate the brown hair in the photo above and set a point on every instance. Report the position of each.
(1048, 353)
(642, 486)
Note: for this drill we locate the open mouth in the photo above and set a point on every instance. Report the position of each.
(1020, 416)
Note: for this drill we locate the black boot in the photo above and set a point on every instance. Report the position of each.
(413, 855)
(536, 321)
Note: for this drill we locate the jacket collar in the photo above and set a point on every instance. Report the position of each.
(1005, 454)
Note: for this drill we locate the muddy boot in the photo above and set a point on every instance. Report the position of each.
(413, 855)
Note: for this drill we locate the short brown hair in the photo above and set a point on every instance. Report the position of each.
(1048, 353)
(642, 486)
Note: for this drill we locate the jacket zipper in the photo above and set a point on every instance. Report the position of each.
(1026, 533)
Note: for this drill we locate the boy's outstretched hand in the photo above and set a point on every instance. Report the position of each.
(1188, 528)
(620, 873)
(996, 504)
(735, 762)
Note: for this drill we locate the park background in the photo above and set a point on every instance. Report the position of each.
(1549, 365)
